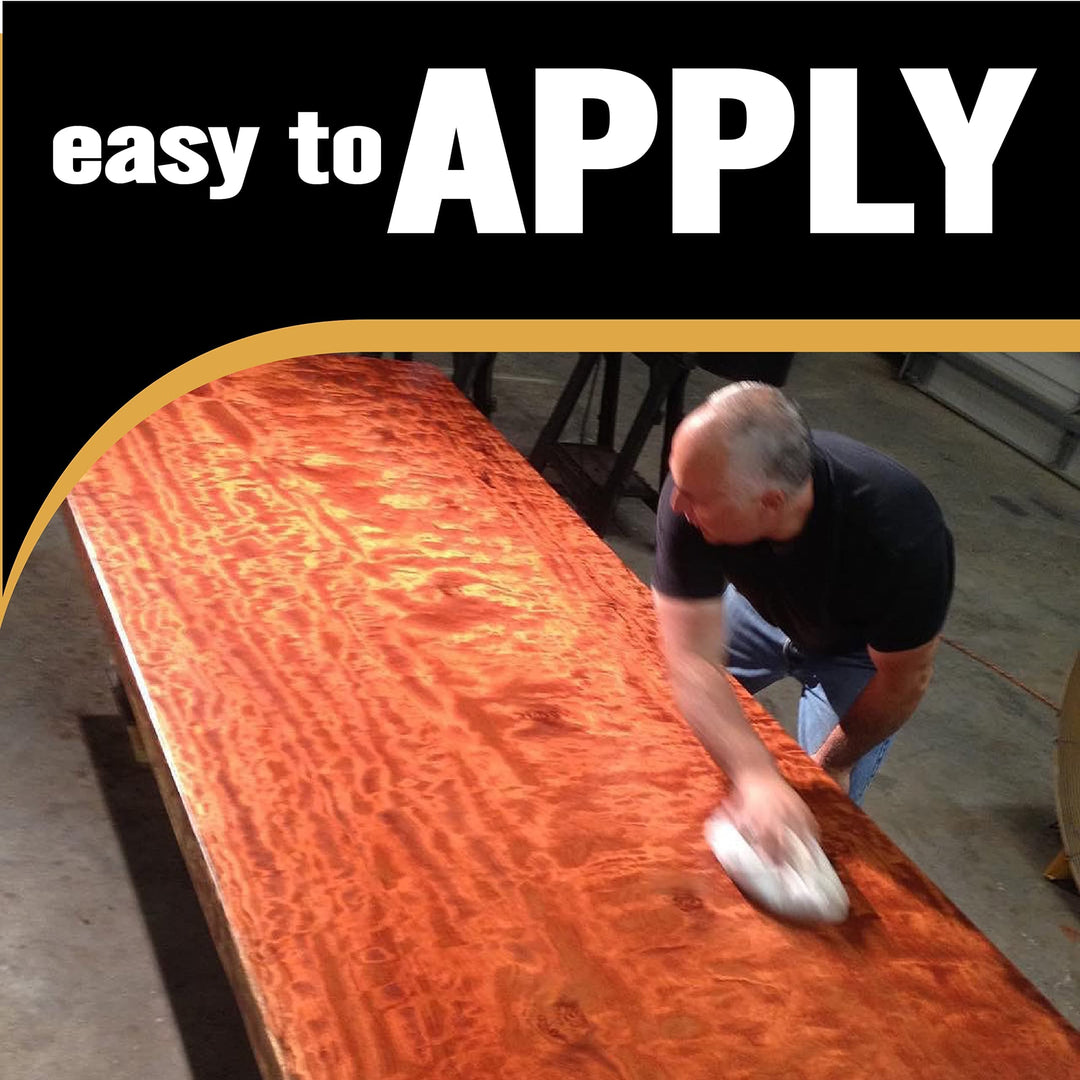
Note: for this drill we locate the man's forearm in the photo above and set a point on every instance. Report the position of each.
(878, 712)
(709, 705)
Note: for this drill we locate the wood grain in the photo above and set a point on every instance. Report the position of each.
(443, 813)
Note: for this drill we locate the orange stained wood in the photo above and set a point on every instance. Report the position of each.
(412, 719)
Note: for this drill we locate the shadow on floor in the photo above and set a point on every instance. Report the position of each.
(1037, 831)
(201, 998)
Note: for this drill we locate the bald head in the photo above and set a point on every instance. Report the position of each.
(752, 433)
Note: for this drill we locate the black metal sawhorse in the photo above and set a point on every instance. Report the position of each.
(596, 475)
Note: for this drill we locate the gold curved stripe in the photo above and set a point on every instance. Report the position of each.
(552, 335)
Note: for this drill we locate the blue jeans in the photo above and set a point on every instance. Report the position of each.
(760, 654)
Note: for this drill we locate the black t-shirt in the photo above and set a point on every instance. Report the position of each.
(872, 566)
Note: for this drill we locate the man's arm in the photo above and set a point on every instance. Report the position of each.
(692, 634)
(887, 701)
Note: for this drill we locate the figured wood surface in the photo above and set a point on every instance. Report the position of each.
(417, 726)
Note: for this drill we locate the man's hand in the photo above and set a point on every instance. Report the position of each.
(841, 775)
(763, 807)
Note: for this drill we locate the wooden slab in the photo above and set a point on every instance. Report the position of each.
(410, 718)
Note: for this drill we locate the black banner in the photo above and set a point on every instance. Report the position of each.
(179, 176)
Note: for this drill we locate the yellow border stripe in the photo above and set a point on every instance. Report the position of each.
(4, 599)
(553, 335)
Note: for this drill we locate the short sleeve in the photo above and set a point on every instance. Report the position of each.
(913, 610)
(686, 566)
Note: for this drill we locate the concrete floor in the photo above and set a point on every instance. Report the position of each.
(106, 969)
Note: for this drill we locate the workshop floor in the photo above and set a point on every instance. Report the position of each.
(106, 969)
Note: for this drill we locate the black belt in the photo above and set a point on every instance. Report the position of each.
(793, 656)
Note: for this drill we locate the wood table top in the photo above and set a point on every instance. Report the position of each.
(415, 734)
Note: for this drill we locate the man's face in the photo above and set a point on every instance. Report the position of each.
(705, 495)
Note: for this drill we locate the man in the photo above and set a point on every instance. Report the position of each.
(785, 552)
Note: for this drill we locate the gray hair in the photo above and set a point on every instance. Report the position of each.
(766, 436)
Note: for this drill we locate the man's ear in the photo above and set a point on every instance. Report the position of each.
(773, 499)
